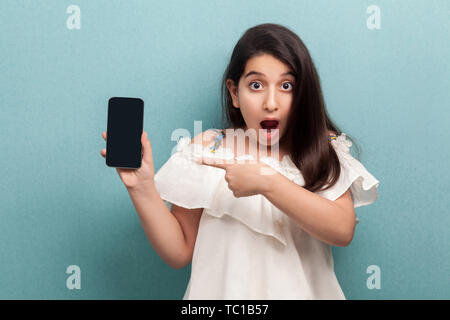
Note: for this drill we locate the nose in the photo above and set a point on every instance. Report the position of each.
(270, 103)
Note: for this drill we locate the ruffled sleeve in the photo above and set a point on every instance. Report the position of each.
(186, 183)
(363, 185)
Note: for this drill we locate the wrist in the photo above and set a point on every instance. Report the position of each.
(269, 180)
(146, 189)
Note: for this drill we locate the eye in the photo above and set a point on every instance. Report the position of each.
(255, 83)
(259, 85)
(284, 85)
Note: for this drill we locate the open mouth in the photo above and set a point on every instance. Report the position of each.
(270, 125)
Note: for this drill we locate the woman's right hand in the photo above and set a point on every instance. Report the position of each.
(143, 176)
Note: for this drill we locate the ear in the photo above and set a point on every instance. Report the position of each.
(233, 92)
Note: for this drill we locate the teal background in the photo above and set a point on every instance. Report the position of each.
(61, 205)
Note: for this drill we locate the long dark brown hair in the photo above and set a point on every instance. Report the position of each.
(306, 136)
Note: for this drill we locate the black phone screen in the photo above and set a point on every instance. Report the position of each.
(124, 131)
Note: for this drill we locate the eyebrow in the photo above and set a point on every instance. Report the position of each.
(262, 74)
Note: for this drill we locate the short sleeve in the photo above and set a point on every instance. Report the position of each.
(183, 181)
(363, 185)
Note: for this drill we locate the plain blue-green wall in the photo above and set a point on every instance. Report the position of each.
(61, 205)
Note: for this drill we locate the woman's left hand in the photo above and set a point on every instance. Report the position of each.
(244, 179)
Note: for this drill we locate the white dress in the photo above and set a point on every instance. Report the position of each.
(246, 248)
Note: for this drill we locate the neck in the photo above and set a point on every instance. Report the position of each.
(254, 148)
(273, 151)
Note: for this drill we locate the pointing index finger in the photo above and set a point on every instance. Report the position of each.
(218, 163)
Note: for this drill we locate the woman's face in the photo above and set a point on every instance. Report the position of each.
(265, 91)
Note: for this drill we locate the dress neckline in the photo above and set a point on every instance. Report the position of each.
(218, 146)
(285, 166)
(286, 159)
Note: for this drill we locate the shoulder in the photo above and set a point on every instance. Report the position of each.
(332, 133)
(205, 138)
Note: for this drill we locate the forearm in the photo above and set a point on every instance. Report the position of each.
(318, 216)
(160, 226)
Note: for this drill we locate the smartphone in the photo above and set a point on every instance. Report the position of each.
(124, 131)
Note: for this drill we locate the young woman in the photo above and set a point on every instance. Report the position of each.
(261, 229)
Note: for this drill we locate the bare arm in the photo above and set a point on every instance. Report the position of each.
(161, 227)
(332, 222)
(171, 233)
(189, 220)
